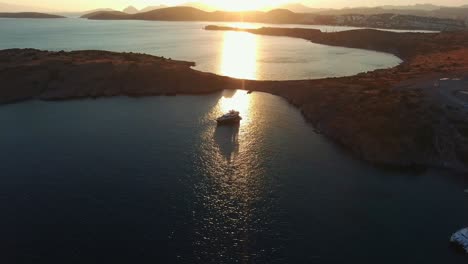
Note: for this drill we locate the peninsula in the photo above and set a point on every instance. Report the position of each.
(402, 116)
(28, 15)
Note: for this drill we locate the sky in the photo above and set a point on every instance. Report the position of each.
(79, 5)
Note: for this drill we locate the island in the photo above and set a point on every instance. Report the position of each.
(409, 115)
(28, 15)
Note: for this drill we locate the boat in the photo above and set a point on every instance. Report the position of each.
(460, 239)
(231, 118)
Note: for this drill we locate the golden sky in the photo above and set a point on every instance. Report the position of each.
(77, 5)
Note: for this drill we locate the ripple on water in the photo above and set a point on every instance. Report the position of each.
(154, 179)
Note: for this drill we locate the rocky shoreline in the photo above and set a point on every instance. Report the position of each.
(390, 116)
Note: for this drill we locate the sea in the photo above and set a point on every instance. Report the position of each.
(155, 180)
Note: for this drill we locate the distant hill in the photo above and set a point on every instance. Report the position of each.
(198, 5)
(28, 15)
(174, 14)
(94, 11)
(192, 14)
(151, 8)
(426, 10)
(283, 16)
(115, 14)
(421, 7)
(99, 10)
(300, 8)
(373, 11)
(131, 10)
(441, 12)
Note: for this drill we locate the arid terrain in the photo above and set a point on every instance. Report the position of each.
(393, 116)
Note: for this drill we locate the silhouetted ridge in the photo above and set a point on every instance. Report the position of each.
(28, 15)
(284, 16)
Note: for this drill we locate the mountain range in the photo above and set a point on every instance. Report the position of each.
(426, 10)
(283, 16)
(197, 5)
(301, 8)
(459, 13)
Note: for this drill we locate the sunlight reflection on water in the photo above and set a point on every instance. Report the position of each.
(233, 185)
(148, 180)
(239, 55)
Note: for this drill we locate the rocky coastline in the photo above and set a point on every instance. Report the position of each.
(391, 116)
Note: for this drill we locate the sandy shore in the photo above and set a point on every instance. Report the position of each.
(390, 116)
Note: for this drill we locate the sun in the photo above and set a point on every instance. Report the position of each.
(245, 5)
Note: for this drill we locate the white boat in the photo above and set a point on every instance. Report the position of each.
(233, 117)
(460, 239)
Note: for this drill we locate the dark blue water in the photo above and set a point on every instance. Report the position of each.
(153, 180)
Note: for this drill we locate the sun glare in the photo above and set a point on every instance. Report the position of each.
(239, 55)
(239, 101)
(239, 60)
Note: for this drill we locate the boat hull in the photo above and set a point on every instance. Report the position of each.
(229, 121)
